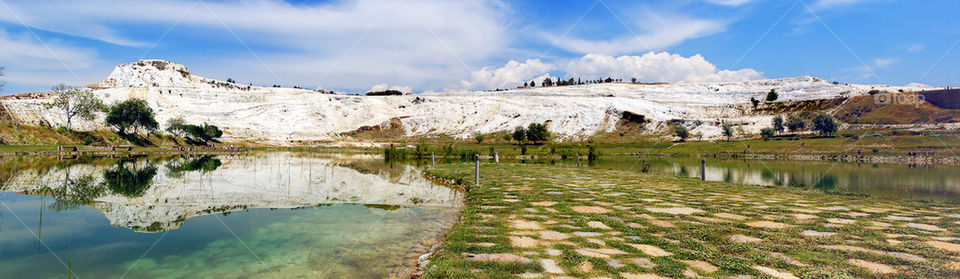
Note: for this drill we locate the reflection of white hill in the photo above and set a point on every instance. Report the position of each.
(274, 180)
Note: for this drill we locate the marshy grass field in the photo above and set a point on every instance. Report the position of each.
(543, 221)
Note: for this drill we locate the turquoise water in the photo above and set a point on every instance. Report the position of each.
(276, 219)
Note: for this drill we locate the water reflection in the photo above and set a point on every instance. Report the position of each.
(262, 215)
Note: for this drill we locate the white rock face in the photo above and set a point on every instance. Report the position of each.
(286, 116)
(270, 180)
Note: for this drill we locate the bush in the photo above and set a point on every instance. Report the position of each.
(520, 134)
(681, 132)
(537, 132)
(772, 95)
(778, 124)
(479, 137)
(795, 123)
(824, 124)
(767, 133)
(132, 113)
(727, 131)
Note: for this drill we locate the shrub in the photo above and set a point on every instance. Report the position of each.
(132, 113)
(727, 131)
(795, 123)
(778, 124)
(479, 137)
(520, 134)
(537, 132)
(681, 132)
(772, 95)
(824, 124)
(767, 133)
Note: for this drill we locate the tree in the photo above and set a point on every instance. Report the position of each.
(767, 133)
(479, 137)
(520, 134)
(633, 80)
(133, 113)
(681, 132)
(778, 124)
(74, 102)
(795, 123)
(533, 83)
(537, 132)
(175, 126)
(525, 84)
(507, 137)
(547, 82)
(772, 95)
(824, 124)
(727, 131)
(755, 102)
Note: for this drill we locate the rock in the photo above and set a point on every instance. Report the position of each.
(643, 262)
(817, 234)
(744, 239)
(525, 225)
(523, 242)
(787, 259)
(615, 264)
(955, 248)
(599, 252)
(642, 276)
(553, 235)
(497, 257)
(554, 252)
(926, 227)
(841, 221)
(544, 204)
(730, 216)
(875, 268)
(768, 225)
(674, 210)
(650, 250)
(549, 266)
(775, 273)
(597, 225)
(702, 266)
(590, 209)
(801, 216)
(585, 267)
(587, 234)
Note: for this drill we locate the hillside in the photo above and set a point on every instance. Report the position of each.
(293, 116)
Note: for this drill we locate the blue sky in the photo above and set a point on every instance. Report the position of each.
(435, 45)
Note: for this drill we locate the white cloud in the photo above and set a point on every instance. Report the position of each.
(656, 67)
(883, 62)
(732, 3)
(661, 31)
(829, 4)
(341, 44)
(30, 63)
(915, 48)
(509, 76)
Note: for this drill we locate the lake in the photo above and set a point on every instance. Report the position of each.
(262, 215)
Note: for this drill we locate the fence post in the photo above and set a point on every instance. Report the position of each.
(476, 170)
(578, 159)
(703, 169)
(432, 160)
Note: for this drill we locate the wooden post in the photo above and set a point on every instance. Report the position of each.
(476, 170)
(578, 159)
(496, 157)
(433, 161)
(703, 169)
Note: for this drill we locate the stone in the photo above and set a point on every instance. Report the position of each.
(661, 223)
(590, 209)
(775, 273)
(841, 221)
(817, 234)
(615, 264)
(650, 250)
(585, 267)
(875, 268)
(523, 242)
(643, 262)
(641, 276)
(955, 248)
(553, 252)
(525, 225)
(497, 257)
(702, 266)
(597, 225)
(587, 234)
(544, 204)
(801, 216)
(674, 210)
(898, 255)
(599, 252)
(553, 235)
(787, 259)
(768, 225)
(744, 239)
(926, 227)
(550, 266)
(730, 216)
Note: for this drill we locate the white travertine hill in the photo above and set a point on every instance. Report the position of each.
(289, 116)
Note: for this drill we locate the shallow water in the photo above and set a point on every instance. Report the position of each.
(273, 215)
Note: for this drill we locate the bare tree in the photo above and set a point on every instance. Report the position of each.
(74, 102)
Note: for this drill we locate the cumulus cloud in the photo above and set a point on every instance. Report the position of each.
(658, 31)
(883, 62)
(656, 67)
(915, 48)
(510, 75)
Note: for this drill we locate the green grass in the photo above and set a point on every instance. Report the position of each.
(508, 192)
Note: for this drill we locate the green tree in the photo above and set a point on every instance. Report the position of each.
(778, 124)
(537, 132)
(772, 95)
(128, 181)
(175, 126)
(767, 133)
(547, 82)
(479, 137)
(507, 137)
(533, 83)
(755, 102)
(795, 123)
(681, 132)
(727, 131)
(824, 124)
(131, 114)
(73, 102)
(520, 134)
